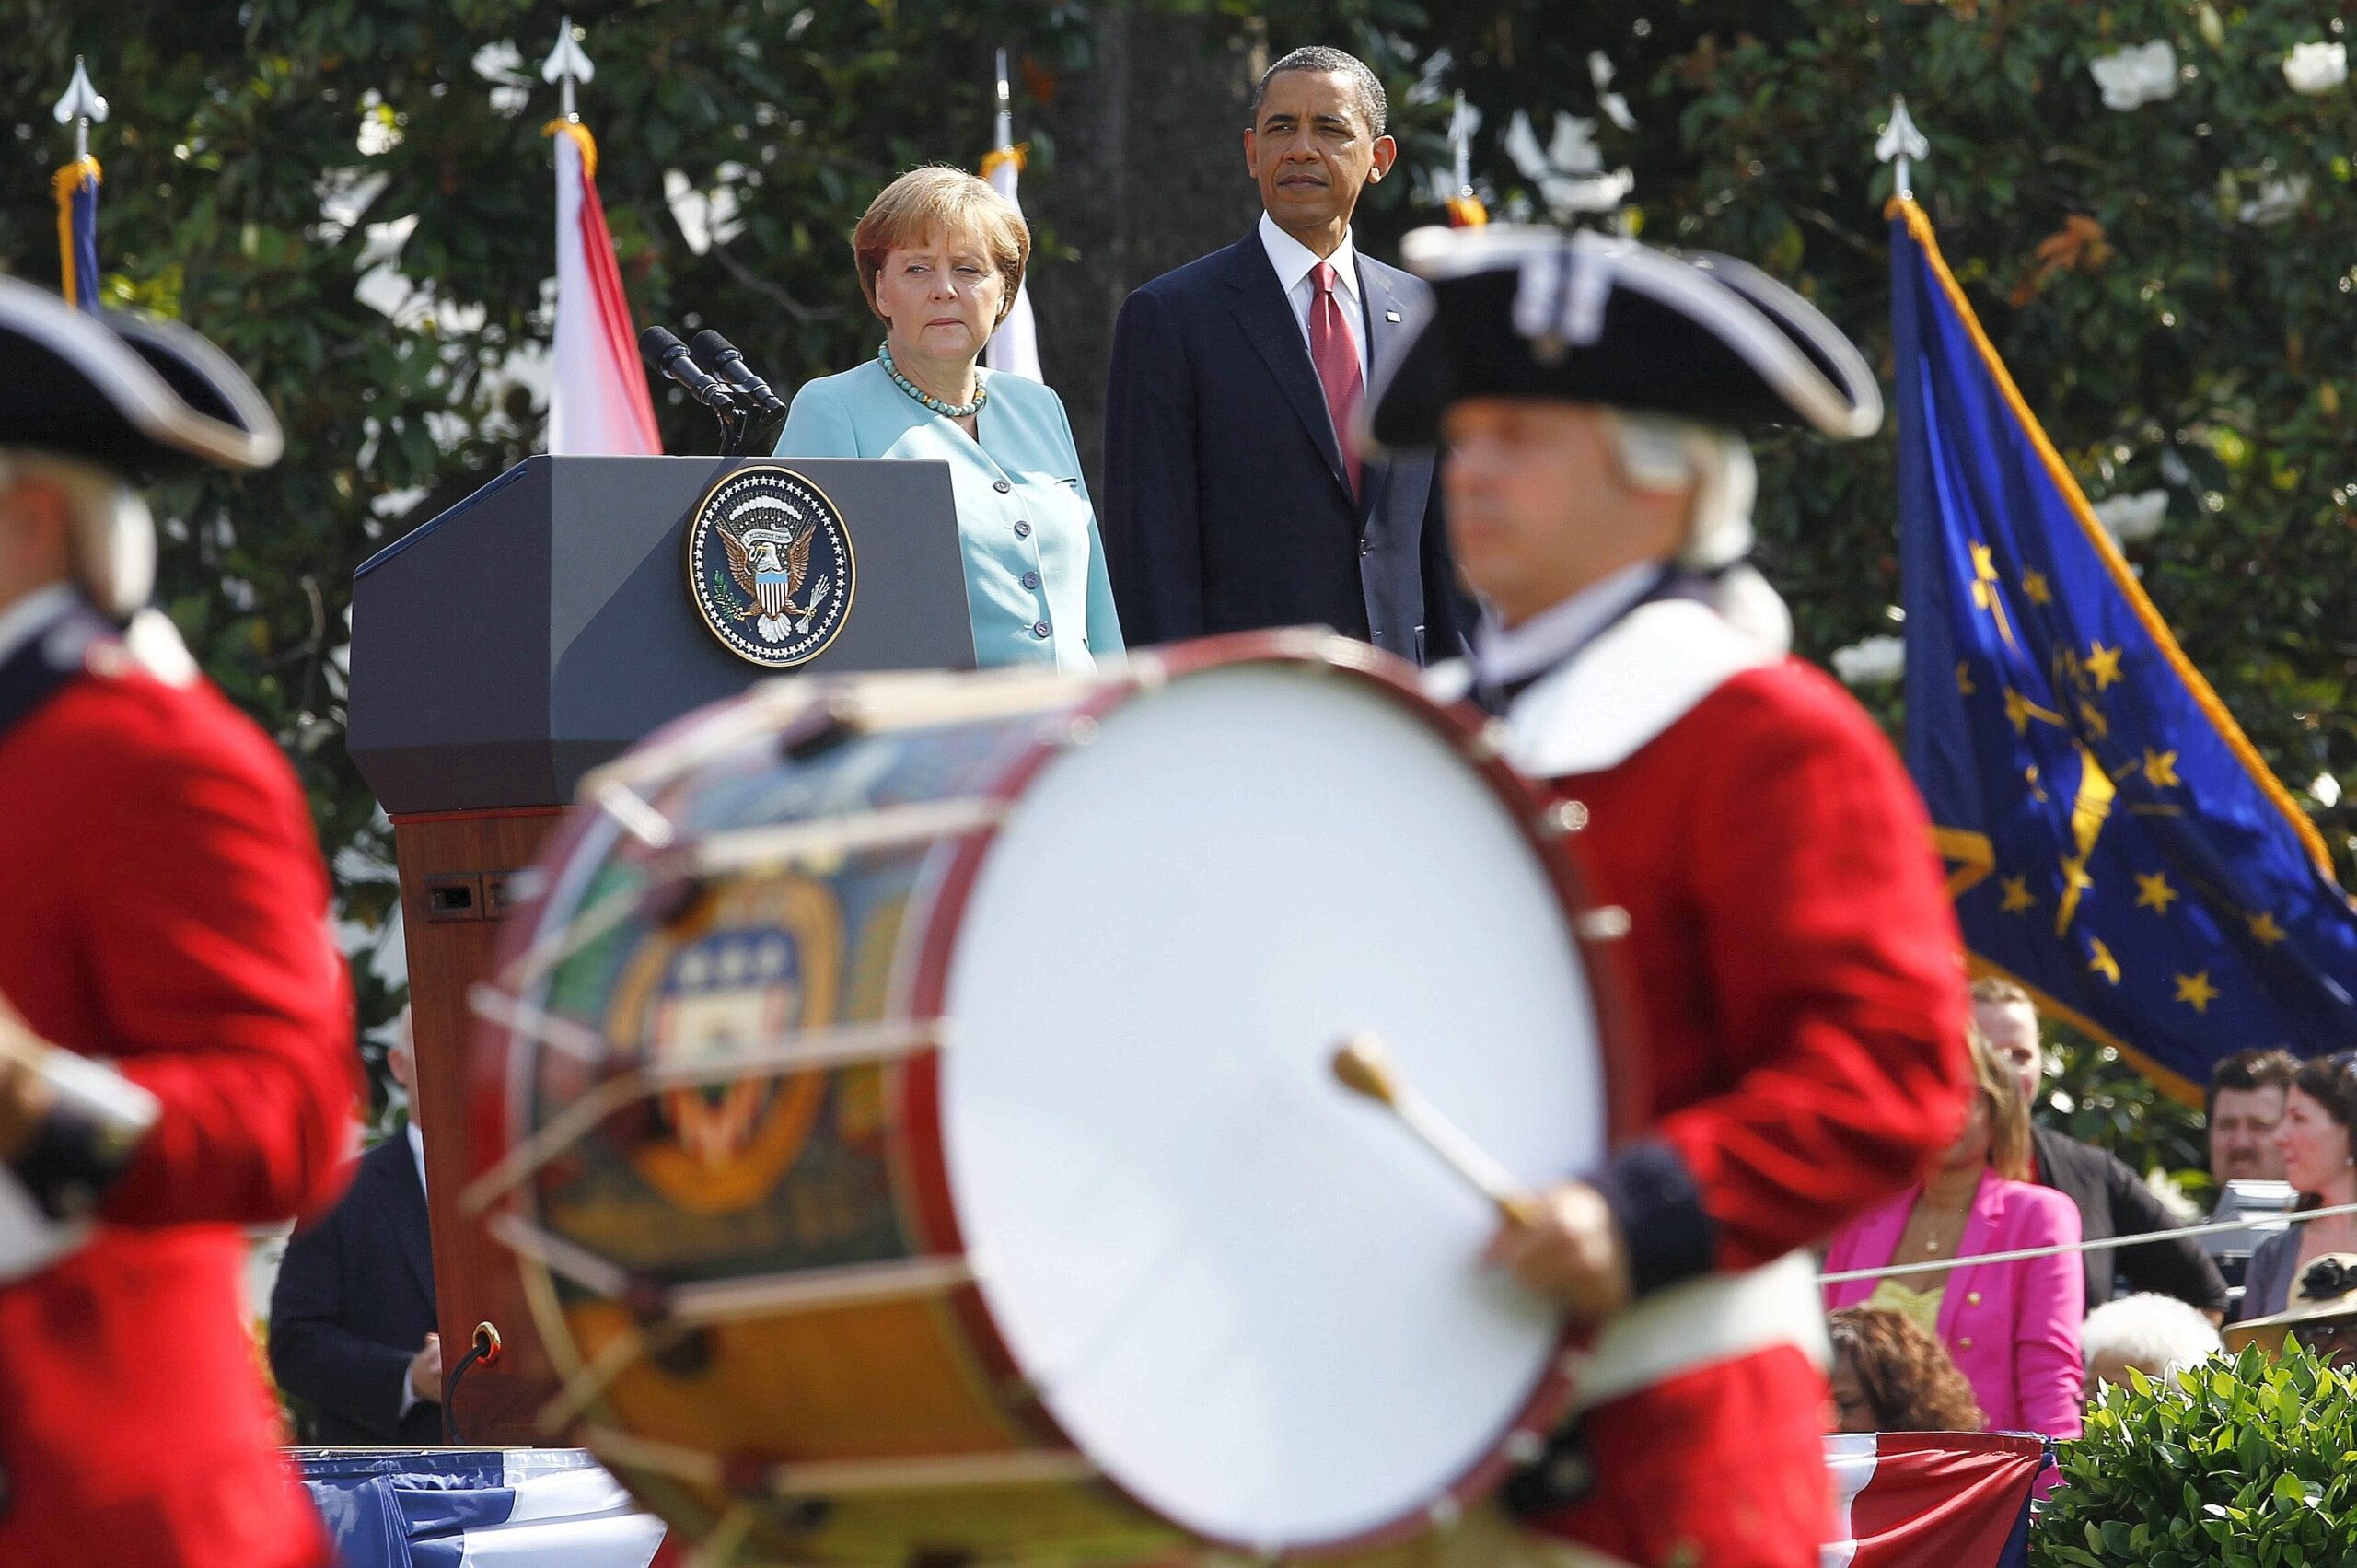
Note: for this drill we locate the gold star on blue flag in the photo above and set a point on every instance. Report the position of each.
(2140, 869)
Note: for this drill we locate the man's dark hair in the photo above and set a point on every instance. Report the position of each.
(1373, 105)
(2270, 1068)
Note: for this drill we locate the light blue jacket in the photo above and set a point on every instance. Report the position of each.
(1036, 584)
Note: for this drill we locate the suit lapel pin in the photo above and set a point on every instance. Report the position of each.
(1391, 315)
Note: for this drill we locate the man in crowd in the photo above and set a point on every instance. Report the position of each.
(1776, 905)
(2112, 1200)
(351, 1318)
(1236, 494)
(2244, 1102)
(163, 907)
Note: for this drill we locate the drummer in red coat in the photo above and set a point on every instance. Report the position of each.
(163, 909)
(1794, 962)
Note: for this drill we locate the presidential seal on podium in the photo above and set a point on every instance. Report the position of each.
(769, 566)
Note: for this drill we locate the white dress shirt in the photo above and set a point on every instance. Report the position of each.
(417, 1152)
(19, 620)
(1293, 260)
(1503, 655)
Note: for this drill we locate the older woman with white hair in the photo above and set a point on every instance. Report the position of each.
(2156, 1335)
(940, 257)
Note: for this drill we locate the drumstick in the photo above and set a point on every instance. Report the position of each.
(1365, 1067)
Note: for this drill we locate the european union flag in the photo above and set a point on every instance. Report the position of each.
(2114, 841)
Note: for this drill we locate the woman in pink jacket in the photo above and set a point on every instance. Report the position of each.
(2013, 1329)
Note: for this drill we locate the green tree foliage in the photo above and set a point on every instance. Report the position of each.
(2171, 331)
(254, 155)
(2168, 340)
(2170, 286)
(2242, 1463)
(2097, 1098)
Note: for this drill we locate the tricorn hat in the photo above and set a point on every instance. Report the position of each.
(128, 393)
(1525, 312)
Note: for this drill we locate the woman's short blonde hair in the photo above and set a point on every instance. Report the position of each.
(1994, 1080)
(941, 201)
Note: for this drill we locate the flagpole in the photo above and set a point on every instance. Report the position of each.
(76, 188)
(1015, 345)
(84, 104)
(566, 65)
(1465, 209)
(1460, 147)
(1900, 143)
(1004, 128)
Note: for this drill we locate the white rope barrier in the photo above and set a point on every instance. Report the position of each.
(1940, 1265)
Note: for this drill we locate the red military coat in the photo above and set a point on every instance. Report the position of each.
(1797, 976)
(163, 904)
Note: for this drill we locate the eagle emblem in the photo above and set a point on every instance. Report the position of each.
(770, 566)
(771, 581)
(748, 967)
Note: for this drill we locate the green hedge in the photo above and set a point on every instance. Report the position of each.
(2250, 1463)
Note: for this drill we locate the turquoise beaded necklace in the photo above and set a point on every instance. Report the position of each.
(946, 410)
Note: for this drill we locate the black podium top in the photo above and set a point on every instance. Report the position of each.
(544, 623)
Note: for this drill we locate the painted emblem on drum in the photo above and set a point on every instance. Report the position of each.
(741, 977)
(769, 566)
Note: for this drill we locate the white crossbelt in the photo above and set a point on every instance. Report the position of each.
(1704, 1322)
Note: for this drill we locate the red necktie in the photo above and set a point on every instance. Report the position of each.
(1334, 349)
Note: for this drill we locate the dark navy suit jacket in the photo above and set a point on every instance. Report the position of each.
(1226, 504)
(355, 1301)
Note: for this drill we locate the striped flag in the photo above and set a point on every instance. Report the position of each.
(597, 399)
(476, 1507)
(1903, 1500)
(1931, 1499)
(1015, 347)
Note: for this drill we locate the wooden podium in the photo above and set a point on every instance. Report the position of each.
(499, 651)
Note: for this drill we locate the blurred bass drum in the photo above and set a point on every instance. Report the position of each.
(911, 1110)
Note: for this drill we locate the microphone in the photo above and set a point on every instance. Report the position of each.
(721, 357)
(664, 351)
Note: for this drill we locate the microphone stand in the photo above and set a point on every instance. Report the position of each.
(735, 430)
(669, 355)
(722, 358)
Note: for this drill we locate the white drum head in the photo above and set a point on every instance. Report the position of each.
(1246, 1295)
